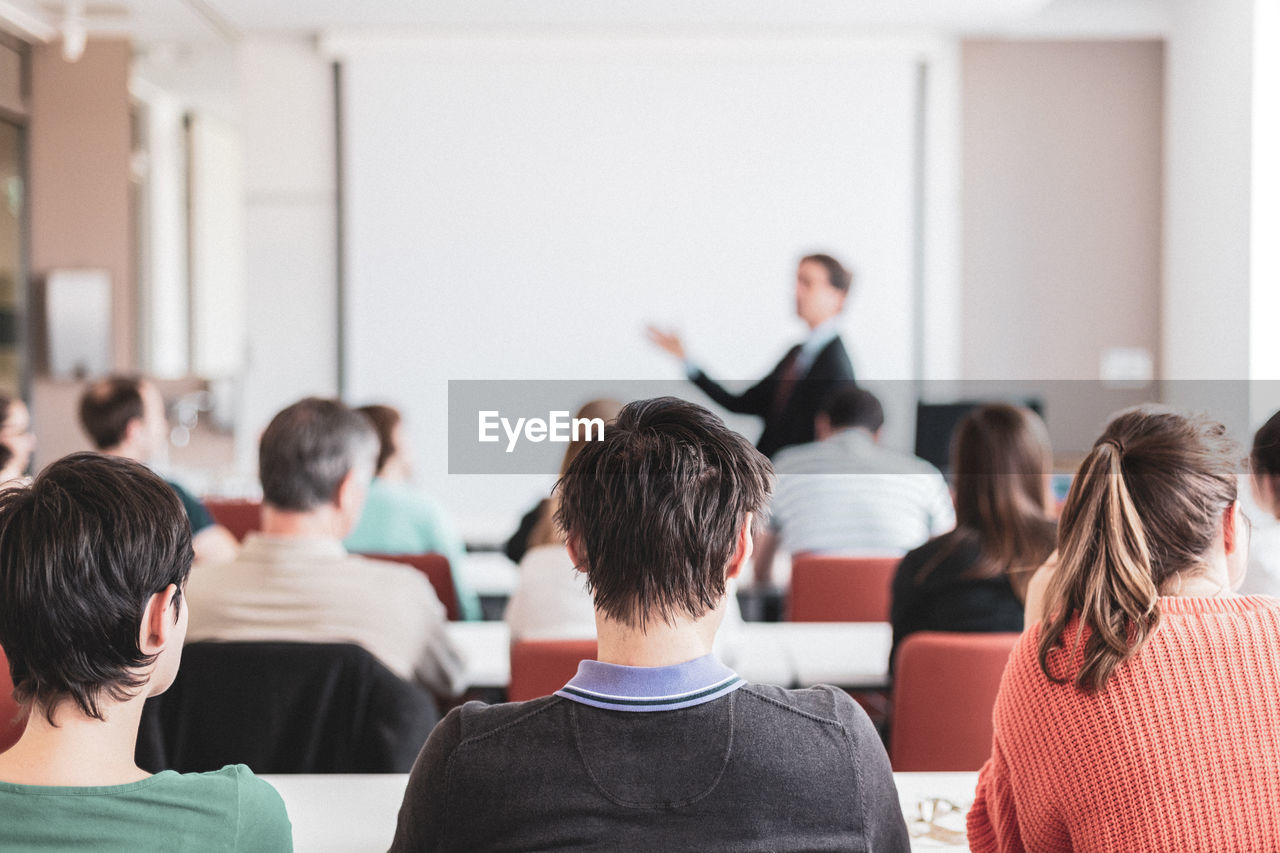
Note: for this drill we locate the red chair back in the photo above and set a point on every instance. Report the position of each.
(944, 690)
(241, 517)
(541, 667)
(840, 589)
(436, 568)
(12, 721)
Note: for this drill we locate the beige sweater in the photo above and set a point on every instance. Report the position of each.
(312, 590)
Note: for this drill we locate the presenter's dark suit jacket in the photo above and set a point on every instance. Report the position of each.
(792, 422)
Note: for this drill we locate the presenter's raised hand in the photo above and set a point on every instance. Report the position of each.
(667, 341)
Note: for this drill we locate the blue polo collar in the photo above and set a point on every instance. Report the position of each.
(651, 688)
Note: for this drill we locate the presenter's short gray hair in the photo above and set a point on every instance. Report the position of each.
(309, 448)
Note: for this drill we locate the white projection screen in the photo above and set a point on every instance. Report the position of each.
(521, 208)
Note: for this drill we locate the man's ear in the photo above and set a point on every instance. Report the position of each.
(742, 550)
(574, 549)
(349, 490)
(158, 620)
(134, 431)
(821, 426)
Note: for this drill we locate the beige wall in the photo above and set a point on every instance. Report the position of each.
(78, 192)
(1061, 205)
(80, 173)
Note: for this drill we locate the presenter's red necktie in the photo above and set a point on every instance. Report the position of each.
(787, 379)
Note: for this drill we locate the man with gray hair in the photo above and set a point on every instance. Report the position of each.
(295, 582)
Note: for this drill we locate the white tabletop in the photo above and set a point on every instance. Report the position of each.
(339, 813)
(847, 654)
(355, 814)
(491, 573)
(853, 655)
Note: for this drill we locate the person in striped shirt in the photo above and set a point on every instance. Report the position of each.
(847, 494)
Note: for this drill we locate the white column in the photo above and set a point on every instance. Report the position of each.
(287, 115)
(1208, 292)
(1264, 294)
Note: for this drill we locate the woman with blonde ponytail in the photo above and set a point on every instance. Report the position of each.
(1143, 712)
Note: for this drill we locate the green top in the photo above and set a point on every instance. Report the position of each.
(400, 520)
(197, 514)
(226, 810)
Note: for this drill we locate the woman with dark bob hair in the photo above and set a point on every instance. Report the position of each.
(1142, 711)
(94, 559)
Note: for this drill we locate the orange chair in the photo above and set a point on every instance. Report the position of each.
(541, 667)
(840, 589)
(239, 516)
(944, 690)
(12, 721)
(436, 568)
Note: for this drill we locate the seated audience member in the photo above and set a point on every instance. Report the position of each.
(975, 577)
(1264, 512)
(124, 416)
(399, 519)
(17, 442)
(537, 527)
(1141, 713)
(93, 559)
(657, 745)
(294, 581)
(845, 494)
(551, 599)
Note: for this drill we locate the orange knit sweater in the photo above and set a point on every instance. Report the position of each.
(1180, 751)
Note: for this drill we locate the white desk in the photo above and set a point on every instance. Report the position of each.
(491, 573)
(853, 655)
(341, 814)
(355, 814)
(485, 648)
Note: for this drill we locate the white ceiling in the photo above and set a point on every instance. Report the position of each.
(193, 21)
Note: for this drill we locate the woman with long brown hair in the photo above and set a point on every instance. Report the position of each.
(1142, 712)
(974, 578)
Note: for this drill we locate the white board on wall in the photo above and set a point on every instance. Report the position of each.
(520, 209)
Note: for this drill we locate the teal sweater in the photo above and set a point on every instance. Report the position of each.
(400, 520)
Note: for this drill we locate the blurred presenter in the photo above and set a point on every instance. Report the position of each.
(789, 397)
